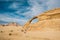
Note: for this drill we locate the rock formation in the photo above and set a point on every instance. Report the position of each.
(51, 17)
(47, 28)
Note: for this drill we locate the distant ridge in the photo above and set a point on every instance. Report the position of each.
(10, 24)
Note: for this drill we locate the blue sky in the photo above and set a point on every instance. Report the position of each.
(21, 11)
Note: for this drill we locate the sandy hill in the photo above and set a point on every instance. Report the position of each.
(47, 28)
(11, 31)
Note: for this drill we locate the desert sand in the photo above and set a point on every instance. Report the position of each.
(47, 28)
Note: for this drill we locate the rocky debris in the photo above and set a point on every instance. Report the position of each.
(13, 24)
(10, 24)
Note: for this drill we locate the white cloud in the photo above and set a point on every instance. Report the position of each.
(53, 4)
(6, 18)
(14, 5)
(35, 8)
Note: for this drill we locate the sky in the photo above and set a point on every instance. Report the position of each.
(21, 11)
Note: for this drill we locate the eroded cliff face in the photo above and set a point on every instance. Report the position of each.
(51, 14)
(49, 19)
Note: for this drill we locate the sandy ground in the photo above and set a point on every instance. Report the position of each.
(32, 36)
(15, 33)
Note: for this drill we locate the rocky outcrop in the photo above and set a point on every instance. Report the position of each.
(45, 18)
